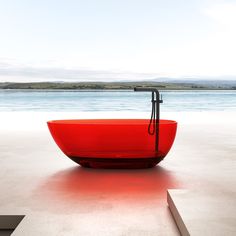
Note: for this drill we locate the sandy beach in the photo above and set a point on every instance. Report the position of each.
(58, 197)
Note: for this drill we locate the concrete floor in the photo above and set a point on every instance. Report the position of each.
(58, 197)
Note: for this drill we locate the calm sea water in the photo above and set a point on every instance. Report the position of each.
(64, 100)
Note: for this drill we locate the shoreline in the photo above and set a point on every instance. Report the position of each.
(162, 85)
(113, 90)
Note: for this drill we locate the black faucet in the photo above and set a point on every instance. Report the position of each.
(155, 115)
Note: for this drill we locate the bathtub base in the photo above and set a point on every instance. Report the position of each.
(117, 163)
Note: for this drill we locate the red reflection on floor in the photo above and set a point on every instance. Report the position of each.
(130, 186)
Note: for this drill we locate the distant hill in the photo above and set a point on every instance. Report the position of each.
(167, 85)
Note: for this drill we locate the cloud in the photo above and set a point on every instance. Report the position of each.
(22, 73)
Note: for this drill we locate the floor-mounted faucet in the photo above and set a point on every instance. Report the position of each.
(155, 115)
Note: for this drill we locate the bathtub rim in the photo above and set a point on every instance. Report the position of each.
(112, 121)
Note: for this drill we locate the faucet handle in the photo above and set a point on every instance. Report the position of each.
(160, 100)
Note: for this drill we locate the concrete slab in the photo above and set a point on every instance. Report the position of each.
(8, 223)
(203, 213)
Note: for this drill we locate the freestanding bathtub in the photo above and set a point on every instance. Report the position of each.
(112, 143)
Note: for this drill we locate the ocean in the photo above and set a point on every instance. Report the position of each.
(121, 100)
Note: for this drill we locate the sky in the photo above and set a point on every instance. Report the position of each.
(110, 40)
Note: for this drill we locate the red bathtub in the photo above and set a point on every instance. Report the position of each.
(112, 143)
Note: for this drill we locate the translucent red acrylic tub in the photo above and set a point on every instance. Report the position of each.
(112, 143)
